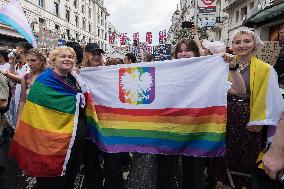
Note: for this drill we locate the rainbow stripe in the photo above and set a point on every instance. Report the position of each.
(186, 131)
(47, 127)
(13, 15)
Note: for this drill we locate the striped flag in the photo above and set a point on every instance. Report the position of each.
(47, 128)
(13, 15)
(169, 107)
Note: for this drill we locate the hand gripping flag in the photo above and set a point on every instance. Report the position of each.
(13, 15)
(169, 107)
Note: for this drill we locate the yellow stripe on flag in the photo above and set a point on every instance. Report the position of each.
(46, 119)
(169, 127)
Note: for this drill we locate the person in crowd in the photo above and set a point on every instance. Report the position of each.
(93, 56)
(55, 88)
(112, 61)
(4, 104)
(78, 50)
(148, 57)
(193, 167)
(18, 68)
(4, 61)
(113, 178)
(129, 58)
(37, 64)
(250, 116)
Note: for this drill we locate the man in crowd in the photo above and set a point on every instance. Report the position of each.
(129, 58)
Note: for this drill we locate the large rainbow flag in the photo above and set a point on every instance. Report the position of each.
(46, 131)
(13, 15)
(170, 107)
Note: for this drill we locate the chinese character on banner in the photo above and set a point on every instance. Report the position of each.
(162, 37)
(136, 37)
(149, 37)
(122, 39)
(112, 38)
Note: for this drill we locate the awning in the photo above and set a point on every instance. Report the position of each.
(275, 12)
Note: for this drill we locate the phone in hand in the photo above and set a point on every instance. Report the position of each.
(187, 24)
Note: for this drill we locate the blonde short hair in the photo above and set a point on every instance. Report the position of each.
(57, 51)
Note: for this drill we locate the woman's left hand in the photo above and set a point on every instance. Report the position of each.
(254, 128)
(231, 59)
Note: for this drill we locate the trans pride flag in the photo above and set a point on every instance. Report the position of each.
(46, 131)
(169, 107)
(13, 15)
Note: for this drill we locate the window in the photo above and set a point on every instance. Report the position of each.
(77, 21)
(90, 28)
(68, 15)
(57, 27)
(68, 34)
(98, 32)
(84, 24)
(90, 13)
(251, 5)
(243, 13)
(56, 8)
(237, 16)
(106, 36)
(41, 3)
(75, 3)
(42, 21)
(77, 36)
(83, 8)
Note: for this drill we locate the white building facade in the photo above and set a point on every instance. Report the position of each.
(82, 21)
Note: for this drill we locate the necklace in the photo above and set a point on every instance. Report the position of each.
(243, 65)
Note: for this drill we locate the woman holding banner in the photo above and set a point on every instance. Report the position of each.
(193, 167)
(251, 117)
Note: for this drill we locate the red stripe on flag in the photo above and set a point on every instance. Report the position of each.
(34, 164)
(219, 110)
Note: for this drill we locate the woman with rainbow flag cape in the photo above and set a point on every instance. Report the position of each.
(252, 118)
(50, 136)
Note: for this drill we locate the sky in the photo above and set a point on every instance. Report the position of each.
(130, 16)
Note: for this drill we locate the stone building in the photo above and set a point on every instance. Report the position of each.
(82, 21)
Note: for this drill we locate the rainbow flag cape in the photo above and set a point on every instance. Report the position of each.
(46, 131)
(170, 107)
(13, 15)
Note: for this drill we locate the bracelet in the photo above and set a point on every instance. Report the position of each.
(235, 68)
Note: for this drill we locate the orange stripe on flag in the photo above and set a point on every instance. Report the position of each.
(42, 142)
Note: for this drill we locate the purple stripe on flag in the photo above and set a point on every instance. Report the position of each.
(154, 150)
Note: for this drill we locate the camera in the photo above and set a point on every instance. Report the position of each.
(187, 24)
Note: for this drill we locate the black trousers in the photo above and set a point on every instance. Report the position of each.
(192, 167)
(112, 170)
(73, 166)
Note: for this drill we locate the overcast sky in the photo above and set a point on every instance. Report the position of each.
(130, 16)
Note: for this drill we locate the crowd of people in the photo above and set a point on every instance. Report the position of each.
(246, 136)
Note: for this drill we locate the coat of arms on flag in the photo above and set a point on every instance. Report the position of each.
(137, 85)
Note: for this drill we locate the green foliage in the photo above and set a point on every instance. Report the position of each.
(185, 33)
